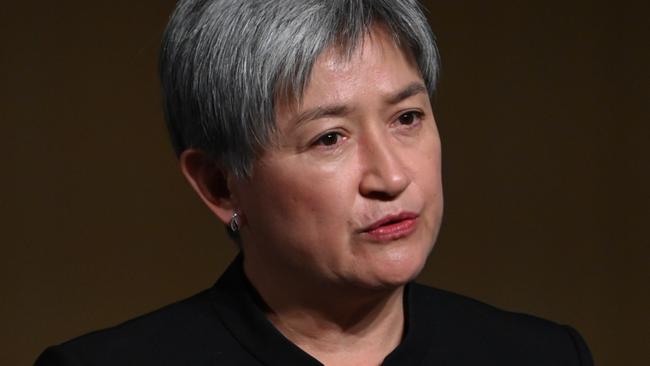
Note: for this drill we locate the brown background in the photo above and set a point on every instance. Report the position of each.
(543, 111)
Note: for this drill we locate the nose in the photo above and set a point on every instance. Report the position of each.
(384, 175)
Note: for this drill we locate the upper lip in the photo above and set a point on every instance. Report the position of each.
(390, 218)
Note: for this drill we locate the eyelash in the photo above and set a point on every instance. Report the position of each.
(417, 117)
(319, 142)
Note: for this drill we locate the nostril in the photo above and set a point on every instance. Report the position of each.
(380, 196)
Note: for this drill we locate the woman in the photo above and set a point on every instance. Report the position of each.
(307, 129)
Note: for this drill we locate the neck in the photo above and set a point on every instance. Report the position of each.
(337, 324)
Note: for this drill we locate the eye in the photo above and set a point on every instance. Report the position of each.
(410, 117)
(328, 139)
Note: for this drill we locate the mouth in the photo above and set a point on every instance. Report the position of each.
(392, 227)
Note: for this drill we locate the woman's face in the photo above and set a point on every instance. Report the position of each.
(351, 193)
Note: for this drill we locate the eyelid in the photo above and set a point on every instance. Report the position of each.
(315, 142)
(417, 114)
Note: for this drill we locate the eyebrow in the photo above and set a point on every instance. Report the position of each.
(339, 110)
(409, 91)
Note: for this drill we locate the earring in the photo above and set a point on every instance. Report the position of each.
(235, 221)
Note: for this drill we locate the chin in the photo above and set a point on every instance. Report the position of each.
(398, 268)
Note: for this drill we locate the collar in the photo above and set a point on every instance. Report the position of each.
(241, 310)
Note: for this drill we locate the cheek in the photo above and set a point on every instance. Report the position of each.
(425, 155)
(297, 203)
(428, 173)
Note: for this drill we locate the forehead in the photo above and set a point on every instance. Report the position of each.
(375, 47)
(376, 64)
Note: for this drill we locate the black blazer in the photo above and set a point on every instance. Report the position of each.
(226, 325)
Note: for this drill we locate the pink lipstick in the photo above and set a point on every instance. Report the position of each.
(392, 227)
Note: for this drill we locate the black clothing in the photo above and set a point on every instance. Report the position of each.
(226, 325)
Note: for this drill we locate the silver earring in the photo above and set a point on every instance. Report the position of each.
(235, 221)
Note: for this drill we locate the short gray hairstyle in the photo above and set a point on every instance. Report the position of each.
(224, 64)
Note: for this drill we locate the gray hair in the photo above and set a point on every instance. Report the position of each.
(225, 63)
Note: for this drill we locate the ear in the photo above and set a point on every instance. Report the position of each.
(210, 182)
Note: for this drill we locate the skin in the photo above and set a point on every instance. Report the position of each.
(361, 145)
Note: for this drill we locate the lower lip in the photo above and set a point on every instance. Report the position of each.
(393, 231)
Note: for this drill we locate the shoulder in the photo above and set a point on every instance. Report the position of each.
(189, 329)
(469, 324)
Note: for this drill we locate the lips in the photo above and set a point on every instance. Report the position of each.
(392, 227)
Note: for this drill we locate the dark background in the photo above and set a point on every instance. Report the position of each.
(543, 112)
